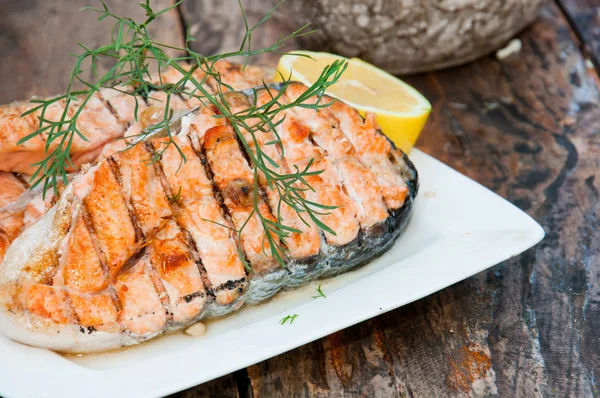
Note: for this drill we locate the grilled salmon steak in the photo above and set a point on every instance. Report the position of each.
(134, 248)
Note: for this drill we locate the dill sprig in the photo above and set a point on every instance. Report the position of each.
(290, 318)
(321, 294)
(176, 198)
(138, 62)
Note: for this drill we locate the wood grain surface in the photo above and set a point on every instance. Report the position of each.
(527, 127)
(37, 36)
(218, 26)
(584, 16)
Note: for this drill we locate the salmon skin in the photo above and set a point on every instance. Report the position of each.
(134, 249)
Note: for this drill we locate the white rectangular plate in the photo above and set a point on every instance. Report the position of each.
(458, 228)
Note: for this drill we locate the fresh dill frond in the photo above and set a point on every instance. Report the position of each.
(288, 318)
(175, 198)
(321, 294)
(138, 59)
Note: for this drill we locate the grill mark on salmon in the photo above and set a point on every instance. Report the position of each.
(358, 182)
(135, 221)
(235, 181)
(327, 186)
(95, 311)
(201, 216)
(175, 214)
(374, 150)
(84, 271)
(170, 256)
(301, 245)
(86, 280)
(96, 122)
(238, 77)
(230, 290)
(142, 312)
(110, 219)
(234, 178)
(22, 178)
(147, 209)
(118, 99)
(173, 76)
(152, 271)
(159, 99)
(80, 268)
(102, 257)
(142, 189)
(123, 105)
(168, 251)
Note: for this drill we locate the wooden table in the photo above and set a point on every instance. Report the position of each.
(527, 127)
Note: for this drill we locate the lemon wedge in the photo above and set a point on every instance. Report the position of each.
(401, 110)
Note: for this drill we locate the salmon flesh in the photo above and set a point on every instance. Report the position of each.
(133, 248)
(105, 117)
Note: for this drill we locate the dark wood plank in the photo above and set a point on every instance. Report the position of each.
(584, 16)
(526, 127)
(218, 27)
(36, 37)
(223, 387)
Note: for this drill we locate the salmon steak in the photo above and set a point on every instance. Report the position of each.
(140, 243)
